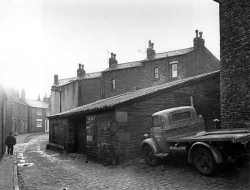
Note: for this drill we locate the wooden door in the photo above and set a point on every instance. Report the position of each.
(80, 134)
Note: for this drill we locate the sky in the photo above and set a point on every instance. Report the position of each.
(41, 38)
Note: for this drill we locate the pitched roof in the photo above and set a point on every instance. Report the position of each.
(171, 53)
(124, 65)
(129, 96)
(13, 98)
(156, 56)
(37, 104)
(63, 82)
(17, 100)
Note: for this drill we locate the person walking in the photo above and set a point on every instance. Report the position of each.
(10, 142)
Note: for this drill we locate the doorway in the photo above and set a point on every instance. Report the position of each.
(80, 136)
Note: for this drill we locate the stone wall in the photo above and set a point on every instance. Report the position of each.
(235, 59)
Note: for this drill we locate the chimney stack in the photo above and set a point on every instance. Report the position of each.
(56, 80)
(23, 95)
(150, 50)
(39, 99)
(198, 41)
(80, 70)
(112, 60)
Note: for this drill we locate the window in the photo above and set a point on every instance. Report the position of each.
(174, 69)
(156, 121)
(156, 73)
(112, 83)
(39, 123)
(38, 111)
(181, 116)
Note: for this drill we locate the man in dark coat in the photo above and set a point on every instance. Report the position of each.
(10, 142)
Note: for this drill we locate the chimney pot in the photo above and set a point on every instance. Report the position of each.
(196, 31)
(55, 79)
(200, 34)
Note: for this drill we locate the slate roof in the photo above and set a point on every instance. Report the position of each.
(130, 96)
(156, 56)
(13, 98)
(125, 66)
(171, 53)
(63, 82)
(37, 104)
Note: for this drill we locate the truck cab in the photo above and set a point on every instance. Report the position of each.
(167, 125)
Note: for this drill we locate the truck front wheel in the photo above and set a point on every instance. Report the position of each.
(149, 156)
(204, 161)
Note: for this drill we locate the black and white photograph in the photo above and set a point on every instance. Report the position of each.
(124, 95)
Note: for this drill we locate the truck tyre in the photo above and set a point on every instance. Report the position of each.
(149, 156)
(204, 161)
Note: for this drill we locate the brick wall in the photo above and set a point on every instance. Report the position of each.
(198, 62)
(235, 59)
(33, 120)
(90, 90)
(206, 100)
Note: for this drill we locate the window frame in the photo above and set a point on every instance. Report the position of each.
(156, 73)
(37, 111)
(113, 84)
(174, 75)
(39, 120)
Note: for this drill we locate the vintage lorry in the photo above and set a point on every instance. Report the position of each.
(181, 128)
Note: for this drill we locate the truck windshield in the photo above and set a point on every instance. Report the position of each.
(156, 121)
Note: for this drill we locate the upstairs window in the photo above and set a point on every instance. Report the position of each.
(39, 111)
(39, 123)
(174, 69)
(156, 72)
(112, 83)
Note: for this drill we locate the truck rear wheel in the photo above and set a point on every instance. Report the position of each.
(149, 156)
(204, 161)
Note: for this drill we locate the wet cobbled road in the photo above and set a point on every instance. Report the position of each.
(39, 168)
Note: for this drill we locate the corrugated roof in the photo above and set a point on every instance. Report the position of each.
(37, 104)
(116, 100)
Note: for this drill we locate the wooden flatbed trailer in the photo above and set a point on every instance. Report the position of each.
(180, 127)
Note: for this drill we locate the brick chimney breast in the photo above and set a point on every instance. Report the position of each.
(56, 80)
(150, 50)
(198, 41)
(112, 60)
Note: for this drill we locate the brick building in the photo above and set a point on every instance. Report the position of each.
(235, 62)
(38, 113)
(3, 109)
(111, 130)
(157, 68)
(17, 113)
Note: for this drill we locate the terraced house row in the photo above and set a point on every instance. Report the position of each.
(105, 114)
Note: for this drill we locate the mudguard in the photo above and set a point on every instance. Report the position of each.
(152, 143)
(215, 152)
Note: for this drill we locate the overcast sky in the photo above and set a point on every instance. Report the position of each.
(40, 38)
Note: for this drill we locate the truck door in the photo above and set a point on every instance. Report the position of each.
(159, 133)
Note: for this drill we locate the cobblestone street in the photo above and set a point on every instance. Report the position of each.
(46, 169)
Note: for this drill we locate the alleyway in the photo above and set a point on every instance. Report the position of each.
(46, 169)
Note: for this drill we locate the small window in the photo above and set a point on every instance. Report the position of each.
(39, 123)
(112, 83)
(156, 121)
(156, 72)
(174, 70)
(39, 111)
(181, 116)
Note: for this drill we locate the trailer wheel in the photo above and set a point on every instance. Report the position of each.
(149, 156)
(204, 161)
